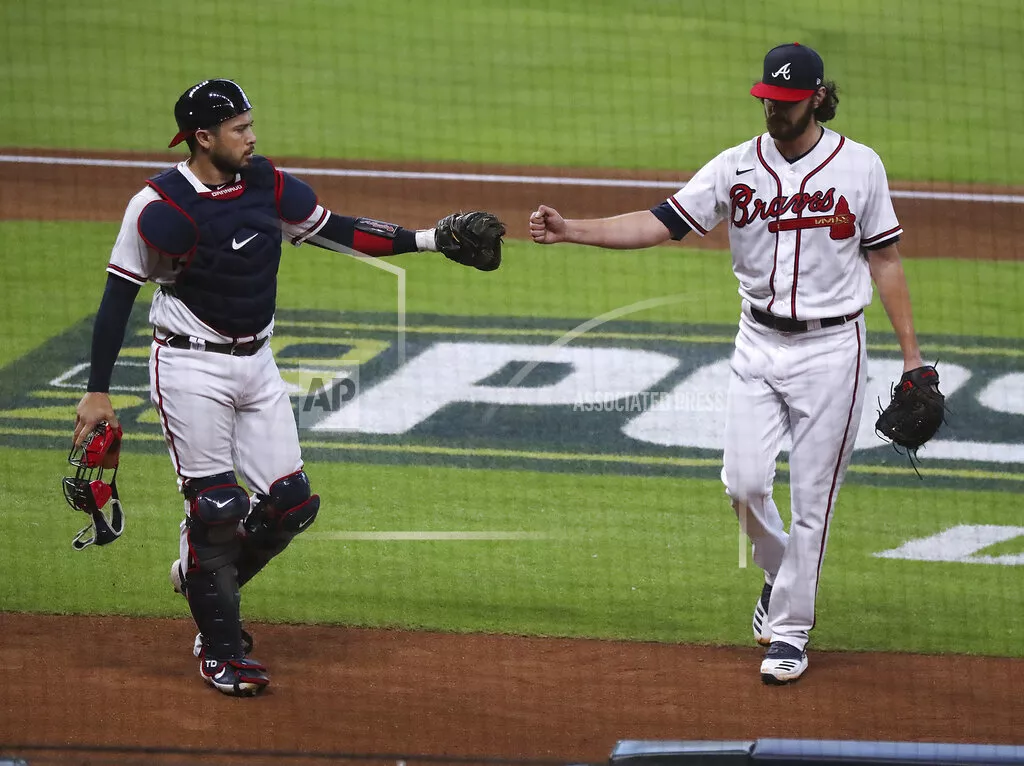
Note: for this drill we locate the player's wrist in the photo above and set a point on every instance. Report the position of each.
(425, 241)
(571, 233)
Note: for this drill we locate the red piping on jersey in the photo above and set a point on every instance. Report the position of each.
(796, 251)
(835, 474)
(163, 412)
(126, 273)
(883, 235)
(689, 218)
(312, 229)
(775, 257)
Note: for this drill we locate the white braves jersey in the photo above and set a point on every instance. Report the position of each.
(797, 230)
(132, 259)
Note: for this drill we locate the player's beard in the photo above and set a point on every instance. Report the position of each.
(785, 128)
(227, 164)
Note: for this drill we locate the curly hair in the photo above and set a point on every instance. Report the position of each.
(827, 108)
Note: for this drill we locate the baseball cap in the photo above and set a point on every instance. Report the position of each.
(206, 104)
(792, 72)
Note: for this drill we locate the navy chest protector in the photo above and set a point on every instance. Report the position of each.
(227, 242)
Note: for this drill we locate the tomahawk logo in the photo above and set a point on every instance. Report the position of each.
(783, 70)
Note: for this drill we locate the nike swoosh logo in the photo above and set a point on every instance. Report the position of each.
(741, 172)
(236, 245)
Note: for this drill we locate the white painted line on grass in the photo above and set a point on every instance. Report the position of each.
(425, 536)
(1014, 199)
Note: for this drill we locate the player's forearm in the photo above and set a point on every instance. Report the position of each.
(108, 330)
(631, 231)
(372, 237)
(887, 272)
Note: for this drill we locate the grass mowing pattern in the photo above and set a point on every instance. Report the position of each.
(931, 86)
(651, 559)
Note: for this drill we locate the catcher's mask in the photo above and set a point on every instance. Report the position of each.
(87, 490)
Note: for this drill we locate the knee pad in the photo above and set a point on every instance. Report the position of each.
(216, 504)
(287, 510)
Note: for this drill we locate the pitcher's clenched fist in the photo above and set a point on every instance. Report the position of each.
(547, 226)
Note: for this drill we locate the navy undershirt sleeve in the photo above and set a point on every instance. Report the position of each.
(887, 243)
(342, 229)
(108, 330)
(676, 225)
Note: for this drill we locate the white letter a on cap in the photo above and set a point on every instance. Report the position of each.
(783, 70)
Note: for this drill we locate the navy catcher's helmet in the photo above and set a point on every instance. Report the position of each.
(206, 104)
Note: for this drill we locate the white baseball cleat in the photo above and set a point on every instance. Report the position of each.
(762, 634)
(782, 664)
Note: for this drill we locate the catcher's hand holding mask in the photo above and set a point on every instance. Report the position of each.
(89, 490)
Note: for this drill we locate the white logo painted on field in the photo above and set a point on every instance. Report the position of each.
(447, 373)
(690, 414)
(783, 70)
(960, 544)
(672, 426)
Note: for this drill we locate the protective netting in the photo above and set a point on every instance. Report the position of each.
(524, 547)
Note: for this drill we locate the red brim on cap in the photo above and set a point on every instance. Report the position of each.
(181, 136)
(775, 93)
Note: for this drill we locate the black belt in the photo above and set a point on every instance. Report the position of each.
(234, 349)
(799, 325)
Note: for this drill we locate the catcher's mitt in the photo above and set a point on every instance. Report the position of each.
(916, 410)
(472, 239)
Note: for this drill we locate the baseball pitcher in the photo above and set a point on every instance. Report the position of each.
(811, 224)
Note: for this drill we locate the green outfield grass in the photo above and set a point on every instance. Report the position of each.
(617, 556)
(951, 297)
(652, 559)
(936, 88)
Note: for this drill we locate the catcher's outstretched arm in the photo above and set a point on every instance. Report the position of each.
(887, 272)
(372, 237)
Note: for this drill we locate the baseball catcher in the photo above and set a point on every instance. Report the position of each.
(472, 239)
(209, 232)
(916, 410)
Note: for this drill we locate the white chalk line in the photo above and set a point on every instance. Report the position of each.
(483, 178)
(413, 535)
